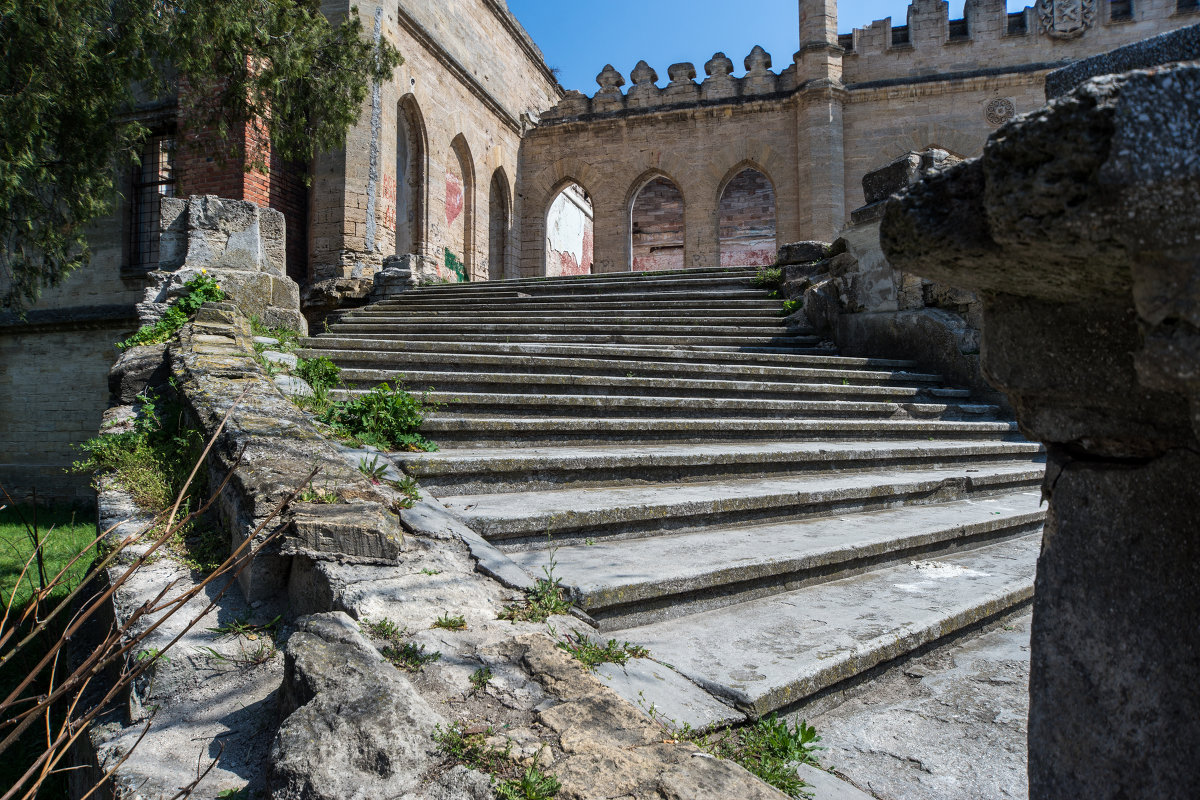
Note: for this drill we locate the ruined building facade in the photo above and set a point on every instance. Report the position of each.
(473, 161)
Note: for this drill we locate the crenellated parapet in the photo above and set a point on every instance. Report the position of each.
(988, 37)
(718, 85)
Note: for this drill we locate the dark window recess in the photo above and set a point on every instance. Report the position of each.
(899, 35)
(1016, 24)
(958, 29)
(153, 180)
(846, 40)
(1187, 5)
(1120, 9)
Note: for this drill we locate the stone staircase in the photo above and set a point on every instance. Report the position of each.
(769, 518)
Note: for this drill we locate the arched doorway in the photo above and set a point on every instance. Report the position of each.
(498, 216)
(409, 192)
(457, 257)
(747, 220)
(656, 226)
(569, 232)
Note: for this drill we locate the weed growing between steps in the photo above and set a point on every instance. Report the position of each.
(287, 340)
(470, 748)
(449, 623)
(402, 654)
(769, 748)
(546, 599)
(592, 652)
(791, 307)
(198, 291)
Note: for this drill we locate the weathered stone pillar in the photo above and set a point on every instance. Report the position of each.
(819, 123)
(1079, 227)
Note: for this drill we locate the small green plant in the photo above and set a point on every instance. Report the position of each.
(242, 626)
(320, 495)
(428, 571)
(287, 340)
(409, 656)
(387, 418)
(383, 629)
(373, 469)
(546, 599)
(470, 748)
(260, 654)
(768, 278)
(592, 653)
(196, 292)
(407, 487)
(533, 784)
(479, 679)
(153, 654)
(200, 546)
(791, 307)
(449, 623)
(234, 794)
(322, 375)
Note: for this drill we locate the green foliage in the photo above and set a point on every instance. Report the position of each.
(62, 533)
(372, 469)
(383, 629)
(768, 277)
(288, 339)
(387, 418)
(449, 623)
(320, 373)
(200, 546)
(592, 652)
(198, 291)
(73, 71)
(771, 749)
(791, 307)
(242, 626)
(471, 748)
(152, 460)
(405, 655)
(533, 784)
(234, 794)
(407, 487)
(546, 599)
(479, 679)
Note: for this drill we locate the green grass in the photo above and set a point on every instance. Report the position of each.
(65, 533)
(593, 652)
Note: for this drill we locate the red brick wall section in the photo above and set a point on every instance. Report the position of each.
(657, 238)
(748, 221)
(204, 165)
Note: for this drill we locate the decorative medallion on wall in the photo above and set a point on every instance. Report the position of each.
(1066, 19)
(999, 110)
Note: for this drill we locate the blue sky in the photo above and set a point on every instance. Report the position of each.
(579, 38)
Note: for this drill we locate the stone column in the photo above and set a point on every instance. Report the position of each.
(1079, 228)
(819, 104)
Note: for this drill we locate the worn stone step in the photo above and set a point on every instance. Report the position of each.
(556, 383)
(582, 305)
(504, 469)
(625, 276)
(778, 330)
(774, 653)
(713, 282)
(622, 360)
(573, 515)
(749, 339)
(612, 295)
(450, 429)
(626, 583)
(570, 319)
(623, 406)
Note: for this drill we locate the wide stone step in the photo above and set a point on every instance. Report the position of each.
(774, 653)
(567, 319)
(403, 325)
(592, 286)
(615, 294)
(505, 469)
(574, 515)
(450, 430)
(615, 361)
(747, 339)
(581, 305)
(601, 277)
(622, 406)
(559, 383)
(636, 582)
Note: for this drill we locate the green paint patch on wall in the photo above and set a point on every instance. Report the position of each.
(455, 265)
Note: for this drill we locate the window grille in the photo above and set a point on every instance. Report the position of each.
(153, 180)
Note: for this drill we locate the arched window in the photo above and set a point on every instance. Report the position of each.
(656, 227)
(498, 215)
(747, 220)
(569, 232)
(409, 210)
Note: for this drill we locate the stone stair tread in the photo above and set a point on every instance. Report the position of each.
(451, 337)
(625, 455)
(606, 574)
(422, 378)
(774, 652)
(446, 423)
(354, 323)
(546, 511)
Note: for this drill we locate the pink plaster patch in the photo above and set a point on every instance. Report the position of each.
(454, 197)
